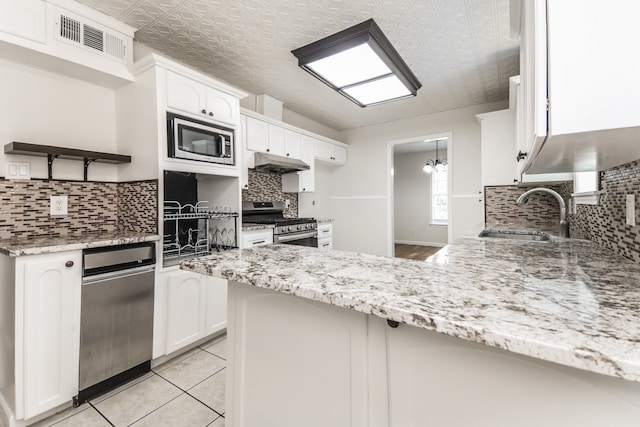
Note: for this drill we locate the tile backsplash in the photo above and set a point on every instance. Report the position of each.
(605, 223)
(541, 213)
(92, 207)
(267, 186)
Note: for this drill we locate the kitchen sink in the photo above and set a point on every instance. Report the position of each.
(536, 236)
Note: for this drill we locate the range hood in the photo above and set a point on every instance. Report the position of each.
(265, 162)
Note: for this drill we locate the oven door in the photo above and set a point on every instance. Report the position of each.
(305, 238)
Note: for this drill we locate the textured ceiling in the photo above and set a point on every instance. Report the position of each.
(460, 50)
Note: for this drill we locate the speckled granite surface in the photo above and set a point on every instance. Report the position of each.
(253, 227)
(565, 301)
(43, 245)
(324, 220)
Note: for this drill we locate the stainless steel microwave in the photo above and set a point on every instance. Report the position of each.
(196, 140)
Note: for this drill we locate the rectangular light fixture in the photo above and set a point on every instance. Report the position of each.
(361, 64)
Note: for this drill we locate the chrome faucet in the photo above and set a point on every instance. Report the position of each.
(564, 225)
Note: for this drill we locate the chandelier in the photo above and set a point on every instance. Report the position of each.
(436, 164)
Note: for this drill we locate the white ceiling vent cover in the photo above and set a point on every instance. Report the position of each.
(90, 36)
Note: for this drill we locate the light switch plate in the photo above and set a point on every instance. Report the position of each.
(58, 205)
(631, 209)
(16, 170)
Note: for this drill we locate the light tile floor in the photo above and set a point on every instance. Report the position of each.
(186, 391)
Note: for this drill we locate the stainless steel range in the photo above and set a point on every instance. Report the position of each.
(292, 231)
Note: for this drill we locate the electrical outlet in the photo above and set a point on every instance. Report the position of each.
(631, 209)
(287, 203)
(58, 205)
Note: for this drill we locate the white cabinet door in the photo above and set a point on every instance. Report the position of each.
(198, 99)
(185, 94)
(292, 144)
(276, 140)
(497, 148)
(186, 305)
(293, 359)
(48, 331)
(221, 106)
(24, 18)
(305, 181)
(330, 153)
(257, 135)
(216, 319)
(339, 154)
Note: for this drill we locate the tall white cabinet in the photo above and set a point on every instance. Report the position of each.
(579, 83)
(40, 303)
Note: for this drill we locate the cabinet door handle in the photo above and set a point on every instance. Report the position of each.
(520, 156)
(68, 264)
(268, 150)
(210, 113)
(204, 111)
(304, 189)
(258, 242)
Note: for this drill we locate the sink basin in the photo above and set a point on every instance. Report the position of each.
(536, 236)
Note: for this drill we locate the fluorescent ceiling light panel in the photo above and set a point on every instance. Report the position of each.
(361, 64)
(376, 91)
(351, 66)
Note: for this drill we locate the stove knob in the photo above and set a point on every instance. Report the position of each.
(288, 228)
(307, 226)
(299, 228)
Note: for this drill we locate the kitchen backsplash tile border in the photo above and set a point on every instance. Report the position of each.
(267, 186)
(541, 213)
(92, 207)
(605, 223)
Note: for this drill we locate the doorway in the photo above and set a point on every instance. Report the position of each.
(419, 198)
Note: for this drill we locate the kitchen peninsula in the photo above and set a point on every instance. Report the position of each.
(486, 332)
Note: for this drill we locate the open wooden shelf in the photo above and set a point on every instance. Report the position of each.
(52, 153)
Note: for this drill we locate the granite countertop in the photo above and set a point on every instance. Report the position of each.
(566, 301)
(253, 227)
(18, 246)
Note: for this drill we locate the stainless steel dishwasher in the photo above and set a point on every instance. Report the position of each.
(116, 321)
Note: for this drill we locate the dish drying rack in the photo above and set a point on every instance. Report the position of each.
(181, 242)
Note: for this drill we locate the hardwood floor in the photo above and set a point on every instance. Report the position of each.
(415, 251)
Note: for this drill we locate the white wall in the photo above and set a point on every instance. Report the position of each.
(412, 201)
(41, 107)
(360, 194)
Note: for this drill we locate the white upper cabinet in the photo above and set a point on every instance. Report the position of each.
(328, 152)
(305, 181)
(197, 99)
(292, 144)
(276, 140)
(24, 18)
(580, 91)
(257, 135)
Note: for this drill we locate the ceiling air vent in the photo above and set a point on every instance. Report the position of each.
(69, 29)
(91, 36)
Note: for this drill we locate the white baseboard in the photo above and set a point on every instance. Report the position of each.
(410, 242)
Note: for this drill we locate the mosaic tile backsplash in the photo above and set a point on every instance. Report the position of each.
(541, 213)
(605, 223)
(92, 207)
(267, 186)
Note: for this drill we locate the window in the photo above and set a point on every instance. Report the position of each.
(439, 199)
(585, 188)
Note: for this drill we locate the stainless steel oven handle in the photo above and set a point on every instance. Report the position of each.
(297, 236)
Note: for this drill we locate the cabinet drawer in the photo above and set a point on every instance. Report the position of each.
(257, 238)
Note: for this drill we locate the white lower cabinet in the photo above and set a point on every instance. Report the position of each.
(188, 307)
(325, 236)
(40, 304)
(295, 362)
(256, 238)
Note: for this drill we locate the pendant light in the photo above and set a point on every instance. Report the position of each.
(436, 164)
